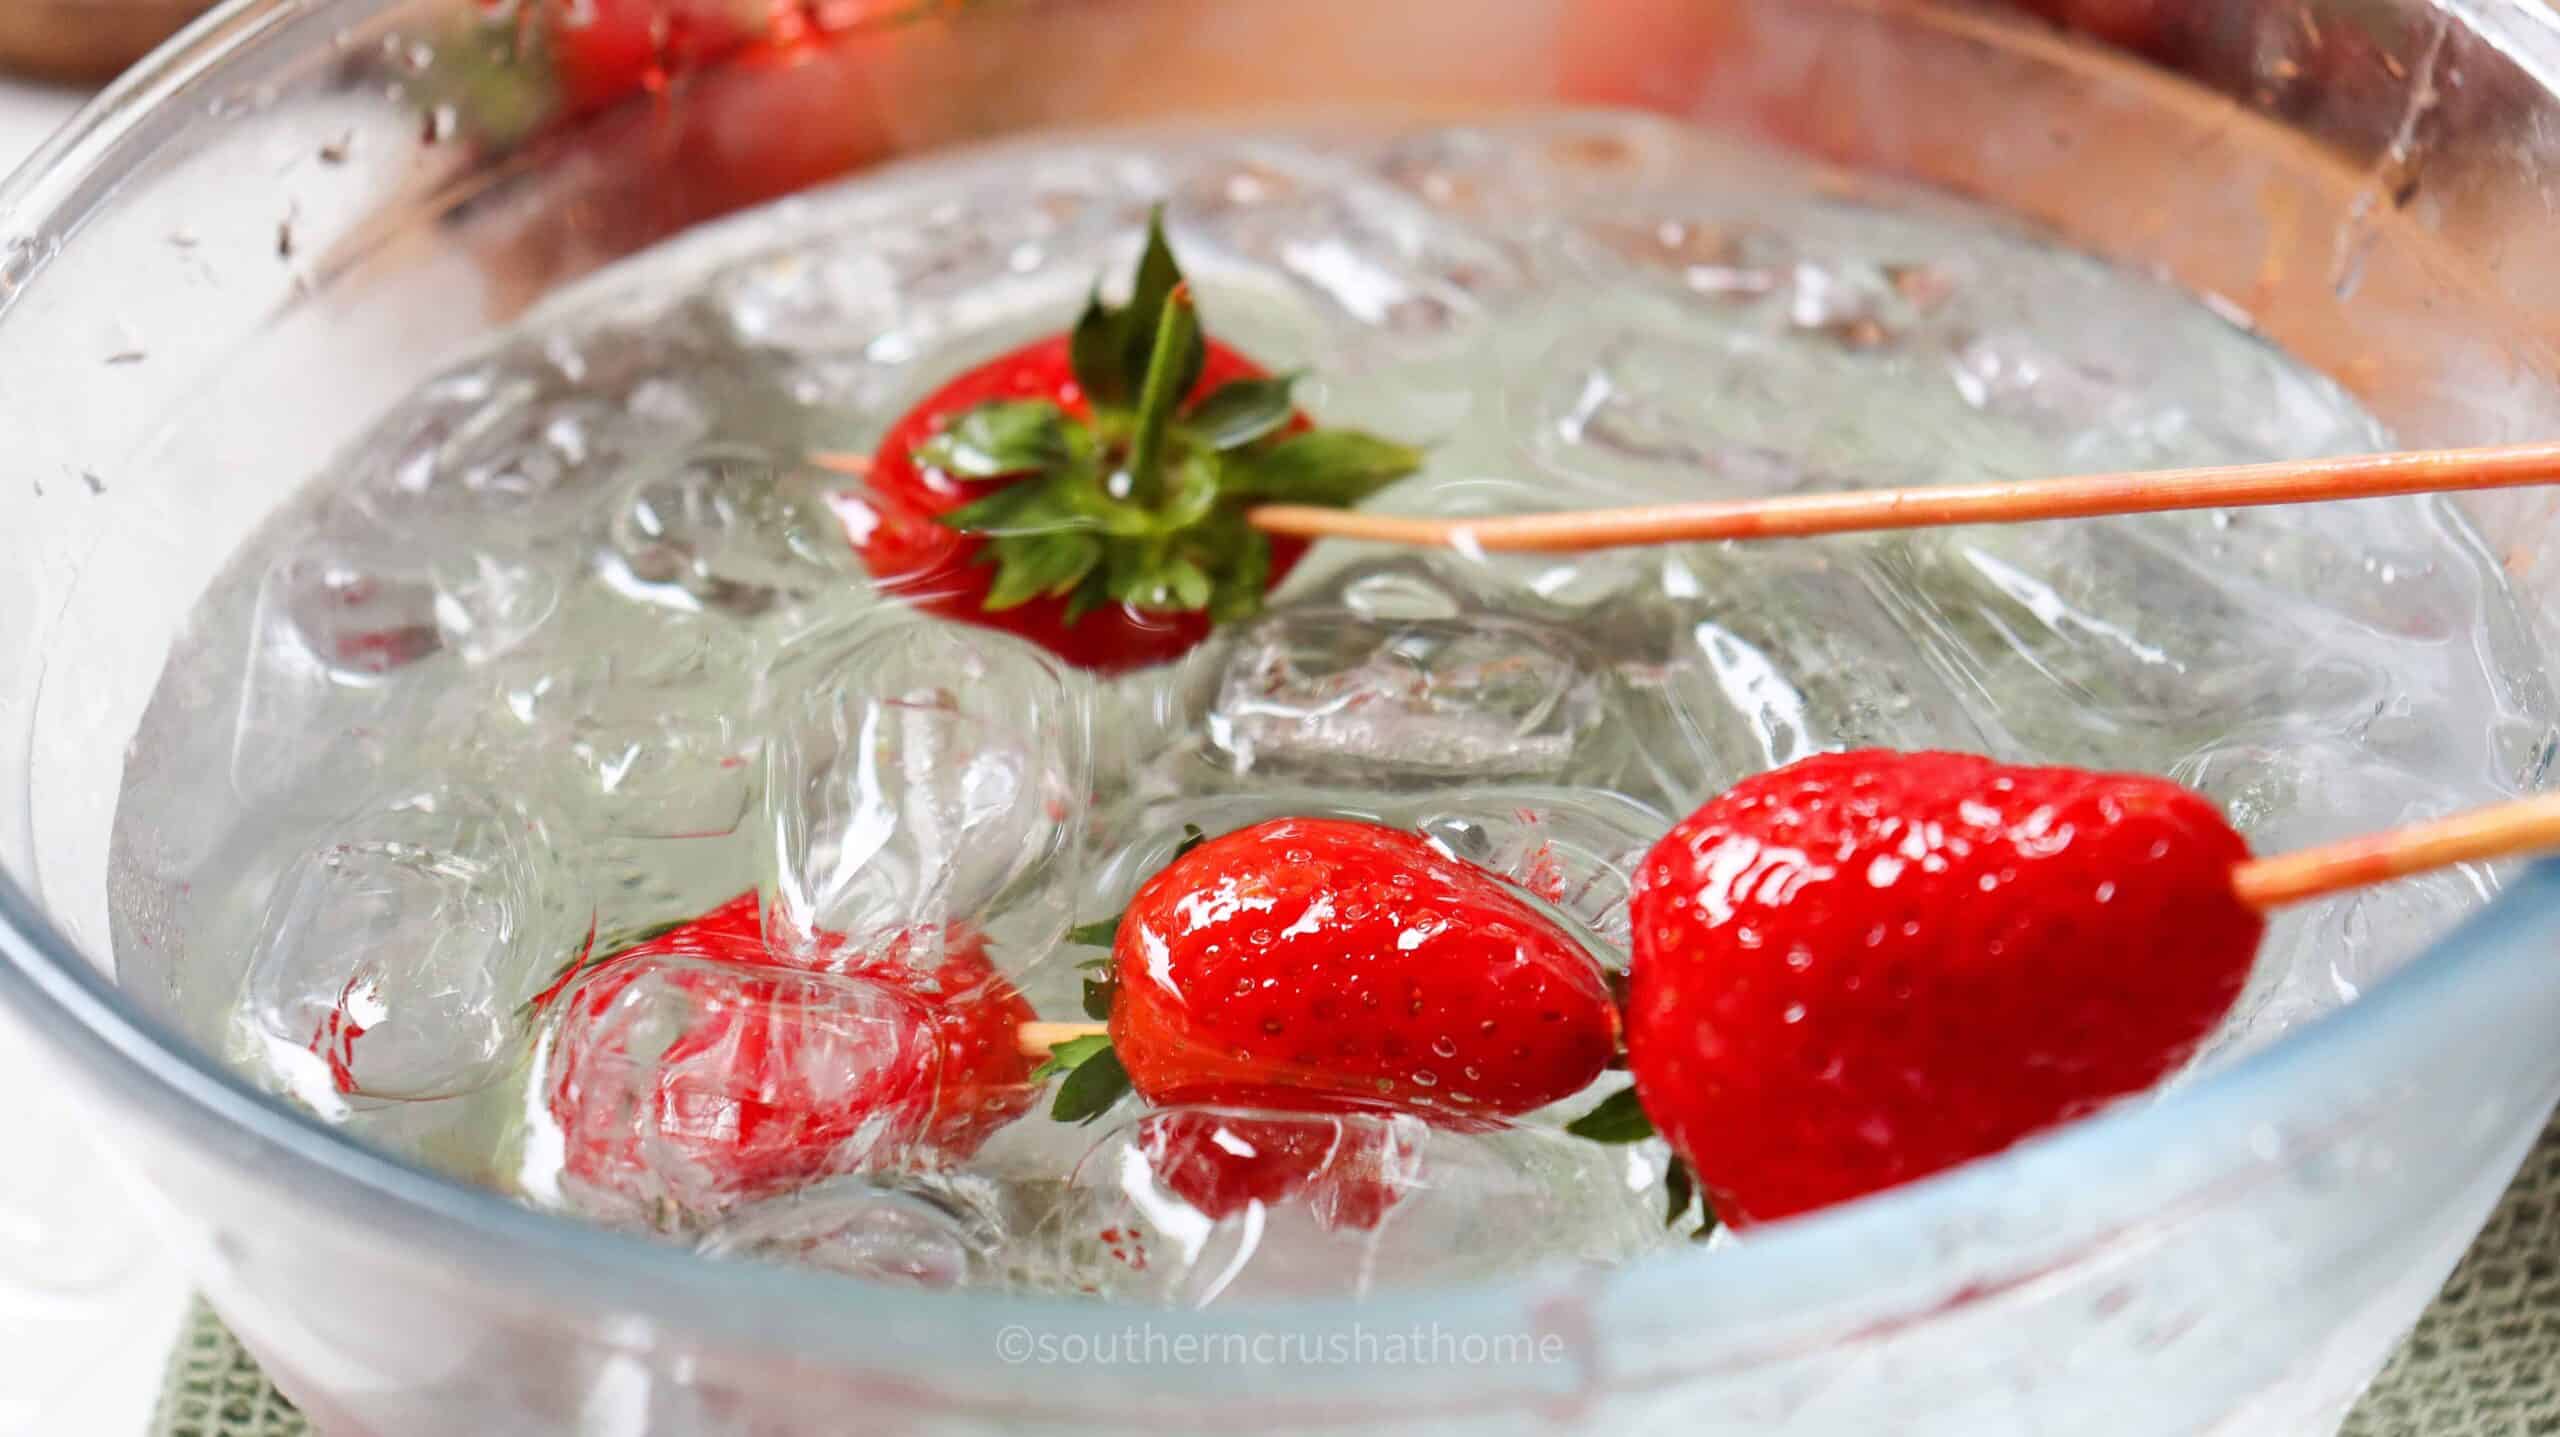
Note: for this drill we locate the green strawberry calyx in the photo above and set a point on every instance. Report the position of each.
(1144, 503)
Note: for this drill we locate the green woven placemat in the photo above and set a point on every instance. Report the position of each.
(2483, 1362)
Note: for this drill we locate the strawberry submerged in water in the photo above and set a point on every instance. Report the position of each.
(1864, 968)
(1088, 491)
(1322, 966)
(697, 1064)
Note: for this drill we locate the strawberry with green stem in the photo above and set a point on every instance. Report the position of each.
(1088, 491)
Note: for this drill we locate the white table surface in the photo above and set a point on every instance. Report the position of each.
(89, 1302)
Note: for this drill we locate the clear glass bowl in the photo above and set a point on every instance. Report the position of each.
(261, 236)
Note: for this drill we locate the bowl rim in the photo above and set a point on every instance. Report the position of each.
(1813, 1272)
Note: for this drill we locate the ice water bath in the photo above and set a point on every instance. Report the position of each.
(579, 643)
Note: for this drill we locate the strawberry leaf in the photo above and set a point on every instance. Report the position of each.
(1036, 565)
(1158, 278)
(1241, 411)
(1098, 993)
(999, 438)
(1090, 595)
(1070, 1055)
(1094, 1083)
(1100, 933)
(1239, 584)
(1338, 467)
(1679, 1190)
(1143, 501)
(1620, 1118)
(1093, 352)
(1017, 508)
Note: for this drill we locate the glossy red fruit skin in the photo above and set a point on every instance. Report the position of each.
(1866, 967)
(891, 524)
(604, 51)
(1345, 1169)
(982, 1084)
(1319, 964)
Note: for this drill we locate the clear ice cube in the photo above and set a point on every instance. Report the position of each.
(2092, 642)
(922, 774)
(645, 729)
(398, 953)
(489, 602)
(1192, 1206)
(359, 615)
(1768, 657)
(1328, 693)
(670, 1090)
(530, 436)
(925, 1231)
(725, 528)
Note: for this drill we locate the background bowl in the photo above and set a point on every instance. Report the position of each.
(253, 243)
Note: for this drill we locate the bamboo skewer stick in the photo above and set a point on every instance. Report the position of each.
(2501, 830)
(1036, 1039)
(2304, 481)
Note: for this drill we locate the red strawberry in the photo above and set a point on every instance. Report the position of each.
(752, 1077)
(603, 51)
(1088, 491)
(1866, 967)
(1350, 1171)
(978, 1016)
(1318, 964)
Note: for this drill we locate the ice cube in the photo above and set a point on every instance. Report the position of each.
(489, 601)
(922, 774)
(529, 436)
(932, 1231)
(644, 730)
(725, 528)
(1576, 851)
(668, 1090)
(360, 612)
(1323, 691)
(1538, 166)
(339, 631)
(399, 951)
(1195, 1205)
(2092, 642)
(1395, 276)
(1770, 657)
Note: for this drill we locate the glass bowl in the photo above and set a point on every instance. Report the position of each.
(254, 241)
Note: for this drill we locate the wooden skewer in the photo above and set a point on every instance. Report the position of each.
(1036, 1039)
(2363, 476)
(2501, 830)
